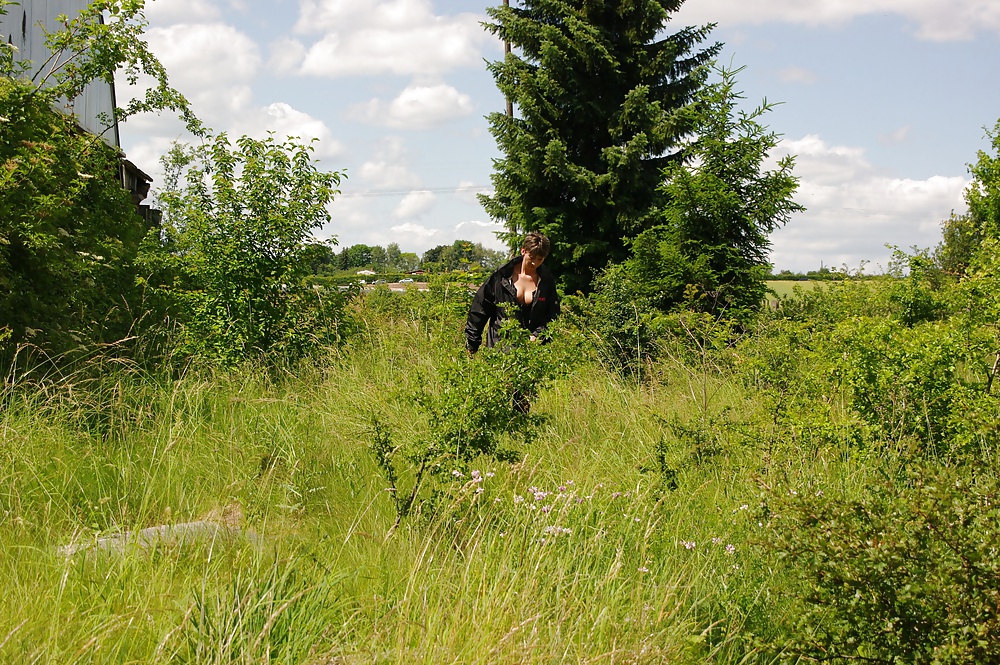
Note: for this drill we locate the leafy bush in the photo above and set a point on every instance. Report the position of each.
(231, 259)
(68, 230)
(903, 575)
(481, 408)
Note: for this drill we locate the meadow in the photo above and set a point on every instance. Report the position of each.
(640, 521)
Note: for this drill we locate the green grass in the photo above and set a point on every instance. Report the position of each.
(579, 553)
(784, 288)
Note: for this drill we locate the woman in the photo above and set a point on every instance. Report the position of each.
(523, 288)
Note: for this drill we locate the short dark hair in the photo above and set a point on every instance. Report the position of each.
(536, 244)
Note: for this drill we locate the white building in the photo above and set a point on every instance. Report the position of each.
(94, 109)
(21, 26)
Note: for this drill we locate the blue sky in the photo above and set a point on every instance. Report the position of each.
(883, 102)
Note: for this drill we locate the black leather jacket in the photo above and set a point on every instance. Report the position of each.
(498, 294)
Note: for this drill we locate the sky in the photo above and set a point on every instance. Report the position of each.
(884, 103)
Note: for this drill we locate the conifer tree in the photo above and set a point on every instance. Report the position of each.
(596, 84)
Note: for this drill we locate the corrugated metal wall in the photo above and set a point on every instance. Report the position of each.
(20, 27)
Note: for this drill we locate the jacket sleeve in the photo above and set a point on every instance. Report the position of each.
(483, 309)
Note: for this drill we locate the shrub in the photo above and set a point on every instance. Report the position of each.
(231, 261)
(903, 575)
(481, 408)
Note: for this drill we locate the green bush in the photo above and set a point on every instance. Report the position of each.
(69, 232)
(231, 261)
(905, 574)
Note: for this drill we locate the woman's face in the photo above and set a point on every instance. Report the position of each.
(531, 261)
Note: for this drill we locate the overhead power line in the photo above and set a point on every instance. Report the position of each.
(403, 192)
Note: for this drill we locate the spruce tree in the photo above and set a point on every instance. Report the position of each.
(596, 84)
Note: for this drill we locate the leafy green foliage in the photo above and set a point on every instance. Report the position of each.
(919, 296)
(722, 203)
(461, 255)
(596, 92)
(962, 235)
(484, 402)
(231, 258)
(709, 251)
(901, 575)
(983, 195)
(69, 232)
(901, 382)
(105, 39)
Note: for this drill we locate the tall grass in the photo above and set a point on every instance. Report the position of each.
(617, 538)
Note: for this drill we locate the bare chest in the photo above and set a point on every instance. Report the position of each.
(525, 285)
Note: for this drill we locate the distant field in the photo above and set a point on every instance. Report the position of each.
(785, 287)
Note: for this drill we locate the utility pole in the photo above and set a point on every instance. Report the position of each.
(506, 52)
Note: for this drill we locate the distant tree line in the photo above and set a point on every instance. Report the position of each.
(462, 255)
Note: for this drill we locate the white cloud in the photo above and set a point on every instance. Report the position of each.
(937, 20)
(285, 121)
(417, 107)
(388, 168)
(481, 232)
(203, 56)
(413, 235)
(853, 211)
(163, 12)
(414, 204)
(286, 55)
(899, 136)
(468, 192)
(797, 75)
(387, 36)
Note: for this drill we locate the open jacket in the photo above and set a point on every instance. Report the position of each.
(498, 294)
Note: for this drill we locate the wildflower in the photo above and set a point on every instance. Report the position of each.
(643, 569)
(479, 490)
(497, 500)
(562, 488)
(458, 474)
(476, 476)
(615, 495)
(570, 482)
(518, 498)
(688, 544)
(730, 549)
(637, 519)
(743, 507)
(490, 474)
(546, 509)
(716, 541)
(539, 495)
(557, 530)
